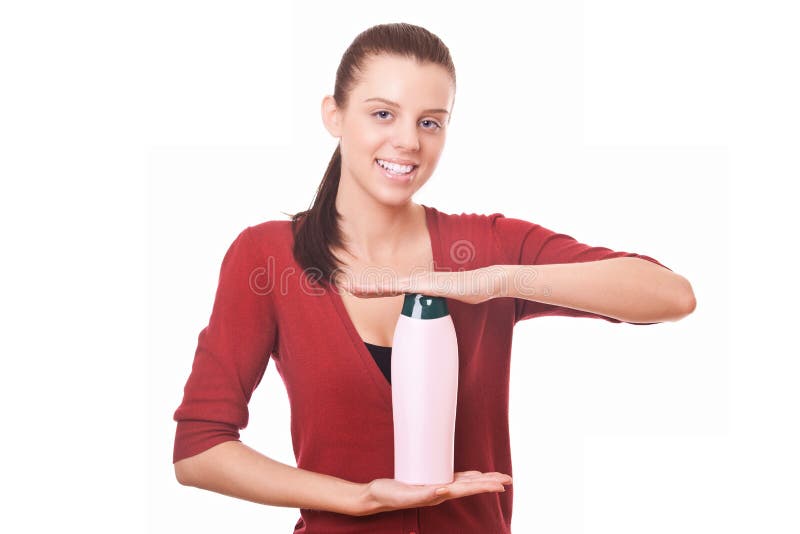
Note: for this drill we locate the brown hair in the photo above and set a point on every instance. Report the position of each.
(316, 229)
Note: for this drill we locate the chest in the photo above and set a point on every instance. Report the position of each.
(375, 319)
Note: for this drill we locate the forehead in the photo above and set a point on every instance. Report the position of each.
(404, 81)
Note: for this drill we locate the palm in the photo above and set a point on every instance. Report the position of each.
(391, 494)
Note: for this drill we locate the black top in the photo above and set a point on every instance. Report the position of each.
(383, 357)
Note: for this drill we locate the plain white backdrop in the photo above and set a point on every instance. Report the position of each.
(138, 140)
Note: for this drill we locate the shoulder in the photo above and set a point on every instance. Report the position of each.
(271, 238)
(466, 239)
(270, 231)
(465, 221)
(466, 225)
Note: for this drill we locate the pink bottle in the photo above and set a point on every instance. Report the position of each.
(424, 391)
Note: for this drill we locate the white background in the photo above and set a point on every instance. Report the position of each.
(138, 139)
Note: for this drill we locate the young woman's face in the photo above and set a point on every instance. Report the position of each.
(397, 113)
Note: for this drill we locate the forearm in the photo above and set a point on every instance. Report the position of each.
(234, 469)
(629, 289)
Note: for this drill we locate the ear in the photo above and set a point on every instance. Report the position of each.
(331, 116)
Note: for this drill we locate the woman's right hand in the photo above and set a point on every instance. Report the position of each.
(386, 494)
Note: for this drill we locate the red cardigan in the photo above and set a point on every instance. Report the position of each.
(263, 311)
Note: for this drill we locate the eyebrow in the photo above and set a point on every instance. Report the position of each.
(395, 104)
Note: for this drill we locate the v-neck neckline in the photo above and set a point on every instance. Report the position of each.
(362, 352)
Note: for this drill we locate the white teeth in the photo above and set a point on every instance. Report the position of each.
(394, 167)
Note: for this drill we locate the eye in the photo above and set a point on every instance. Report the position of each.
(436, 125)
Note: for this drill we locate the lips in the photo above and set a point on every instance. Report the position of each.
(402, 178)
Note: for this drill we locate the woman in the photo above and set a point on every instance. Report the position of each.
(392, 103)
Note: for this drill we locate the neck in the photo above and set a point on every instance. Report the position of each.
(373, 232)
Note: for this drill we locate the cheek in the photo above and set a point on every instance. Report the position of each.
(367, 131)
(372, 138)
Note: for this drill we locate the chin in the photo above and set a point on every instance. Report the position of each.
(393, 200)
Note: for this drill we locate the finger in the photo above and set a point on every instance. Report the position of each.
(500, 476)
(481, 478)
(471, 488)
(374, 291)
(374, 295)
(492, 475)
(366, 293)
(481, 482)
(478, 476)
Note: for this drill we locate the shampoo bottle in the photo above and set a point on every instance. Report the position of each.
(424, 391)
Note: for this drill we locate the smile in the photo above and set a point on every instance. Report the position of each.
(396, 173)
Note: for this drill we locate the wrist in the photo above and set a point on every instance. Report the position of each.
(523, 281)
(499, 280)
(361, 501)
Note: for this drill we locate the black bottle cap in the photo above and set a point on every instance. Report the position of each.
(419, 306)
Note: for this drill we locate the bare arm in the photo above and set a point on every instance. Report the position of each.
(633, 290)
(234, 469)
(628, 289)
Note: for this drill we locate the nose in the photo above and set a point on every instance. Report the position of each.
(406, 137)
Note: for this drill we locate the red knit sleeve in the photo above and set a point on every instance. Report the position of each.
(231, 356)
(526, 243)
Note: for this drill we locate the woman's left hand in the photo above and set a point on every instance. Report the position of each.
(472, 287)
